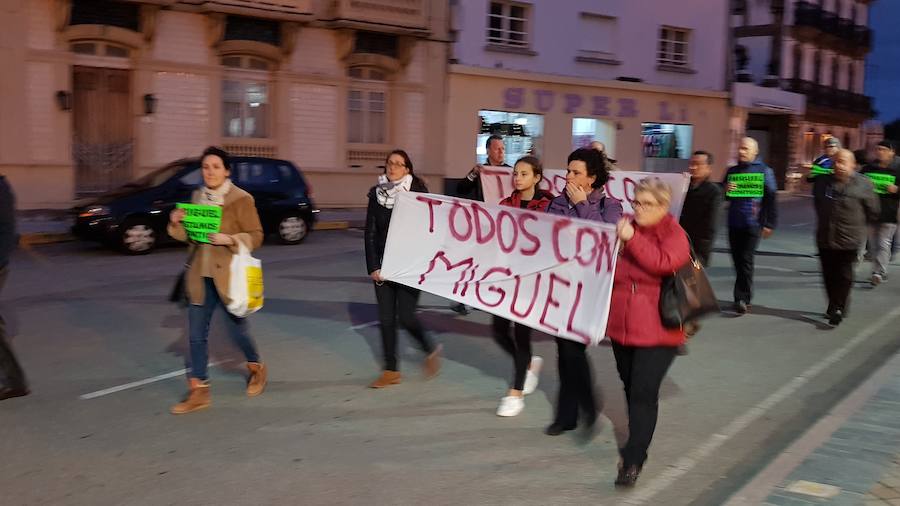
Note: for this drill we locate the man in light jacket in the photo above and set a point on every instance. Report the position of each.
(845, 203)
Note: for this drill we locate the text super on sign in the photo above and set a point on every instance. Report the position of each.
(200, 221)
(747, 185)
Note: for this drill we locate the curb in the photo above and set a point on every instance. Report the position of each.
(38, 238)
(331, 225)
(32, 239)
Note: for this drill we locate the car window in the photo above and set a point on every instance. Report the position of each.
(192, 178)
(257, 174)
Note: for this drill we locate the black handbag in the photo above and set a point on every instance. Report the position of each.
(686, 295)
(179, 294)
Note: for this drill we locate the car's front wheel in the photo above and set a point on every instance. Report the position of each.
(138, 236)
(292, 229)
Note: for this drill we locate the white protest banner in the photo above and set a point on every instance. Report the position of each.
(552, 273)
(497, 184)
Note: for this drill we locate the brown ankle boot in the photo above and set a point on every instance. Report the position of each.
(258, 377)
(197, 398)
(386, 379)
(432, 365)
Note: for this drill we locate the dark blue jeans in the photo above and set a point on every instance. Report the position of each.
(199, 318)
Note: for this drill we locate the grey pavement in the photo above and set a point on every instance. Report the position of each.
(87, 320)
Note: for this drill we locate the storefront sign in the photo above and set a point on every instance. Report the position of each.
(882, 181)
(497, 183)
(200, 221)
(543, 101)
(747, 185)
(552, 273)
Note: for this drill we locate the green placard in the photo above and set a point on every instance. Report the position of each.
(748, 185)
(818, 170)
(200, 221)
(881, 181)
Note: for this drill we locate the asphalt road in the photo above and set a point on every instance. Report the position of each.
(87, 320)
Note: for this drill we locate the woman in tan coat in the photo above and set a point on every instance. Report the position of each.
(207, 278)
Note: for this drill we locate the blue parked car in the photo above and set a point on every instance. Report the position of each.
(134, 217)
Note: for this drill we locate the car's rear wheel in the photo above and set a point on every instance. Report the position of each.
(292, 229)
(138, 236)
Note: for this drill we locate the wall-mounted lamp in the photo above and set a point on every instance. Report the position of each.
(64, 100)
(149, 103)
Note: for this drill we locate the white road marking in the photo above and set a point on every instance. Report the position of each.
(364, 325)
(134, 384)
(688, 462)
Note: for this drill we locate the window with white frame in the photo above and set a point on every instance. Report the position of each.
(367, 106)
(598, 34)
(508, 24)
(245, 97)
(673, 46)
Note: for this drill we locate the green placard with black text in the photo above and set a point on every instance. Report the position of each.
(200, 221)
(881, 181)
(751, 185)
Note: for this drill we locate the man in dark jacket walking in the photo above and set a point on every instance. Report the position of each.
(883, 173)
(470, 186)
(701, 206)
(750, 189)
(13, 379)
(845, 203)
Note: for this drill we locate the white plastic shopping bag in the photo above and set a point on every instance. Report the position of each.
(246, 285)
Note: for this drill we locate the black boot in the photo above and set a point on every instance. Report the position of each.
(628, 475)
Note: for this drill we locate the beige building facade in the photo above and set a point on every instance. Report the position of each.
(104, 91)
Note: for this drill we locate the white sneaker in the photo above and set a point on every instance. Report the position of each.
(533, 375)
(510, 406)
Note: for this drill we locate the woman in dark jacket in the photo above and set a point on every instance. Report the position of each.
(845, 204)
(587, 173)
(395, 302)
(653, 246)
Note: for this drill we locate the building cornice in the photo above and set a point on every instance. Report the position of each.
(519, 76)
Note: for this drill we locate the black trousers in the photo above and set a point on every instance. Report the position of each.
(397, 303)
(12, 374)
(837, 271)
(517, 345)
(743, 242)
(576, 387)
(642, 371)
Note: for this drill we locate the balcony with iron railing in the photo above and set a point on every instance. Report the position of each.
(813, 23)
(382, 15)
(831, 98)
(284, 10)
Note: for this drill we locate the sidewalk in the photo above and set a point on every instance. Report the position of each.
(48, 226)
(850, 457)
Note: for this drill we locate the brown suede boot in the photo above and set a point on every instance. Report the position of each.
(386, 379)
(432, 365)
(197, 398)
(258, 377)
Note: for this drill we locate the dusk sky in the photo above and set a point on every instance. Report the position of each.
(883, 66)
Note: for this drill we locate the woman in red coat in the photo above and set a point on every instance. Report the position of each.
(653, 246)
